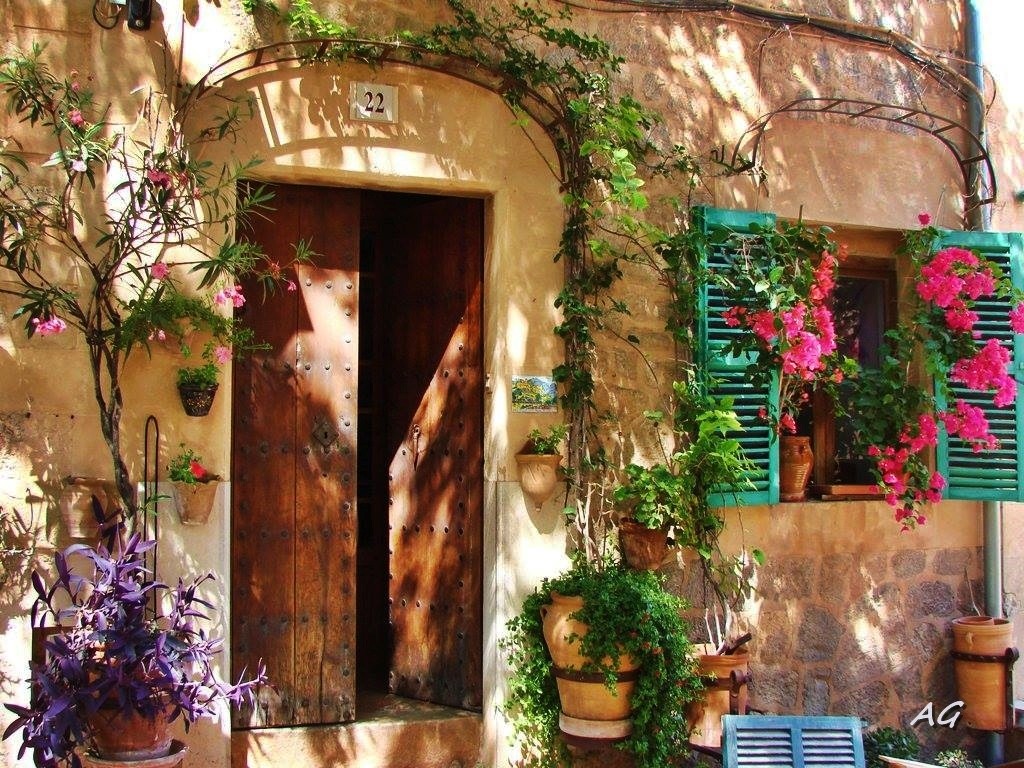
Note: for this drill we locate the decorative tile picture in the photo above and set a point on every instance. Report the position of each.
(534, 394)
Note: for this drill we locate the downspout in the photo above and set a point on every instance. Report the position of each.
(979, 218)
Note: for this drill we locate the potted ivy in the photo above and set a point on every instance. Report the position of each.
(195, 487)
(117, 670)
(539, 462)
(601, 641)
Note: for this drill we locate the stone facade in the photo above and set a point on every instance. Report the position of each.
(849, 616)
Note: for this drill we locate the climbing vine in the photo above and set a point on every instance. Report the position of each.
(545, 69)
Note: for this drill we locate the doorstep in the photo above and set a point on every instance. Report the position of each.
(393, 733)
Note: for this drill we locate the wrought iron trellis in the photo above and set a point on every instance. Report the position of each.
(970, 153)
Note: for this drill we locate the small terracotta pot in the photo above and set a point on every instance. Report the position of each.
(195, 501)
(642, 548)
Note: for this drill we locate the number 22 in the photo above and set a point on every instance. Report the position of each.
(374, 102)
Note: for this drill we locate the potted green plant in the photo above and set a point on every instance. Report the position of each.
(612, 632)
(674, 498)
(118, 670)
(197, 385)
(539, 462)
(195, 487)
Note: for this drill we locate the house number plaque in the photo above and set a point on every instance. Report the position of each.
(373, 102)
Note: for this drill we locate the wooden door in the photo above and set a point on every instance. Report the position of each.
(433, 388)
(293, 467)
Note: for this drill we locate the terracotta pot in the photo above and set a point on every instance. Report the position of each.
(538, 475)
(76, 510)
(642, 548)
(983, 669)
(194, 501)
(196, 400)
(591, 712)
(173, 758)
(795, 463)
(705, 716)
(120, 736)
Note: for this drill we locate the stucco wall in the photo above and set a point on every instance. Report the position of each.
(850, 616)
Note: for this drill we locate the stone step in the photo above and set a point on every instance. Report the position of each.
(390, 732)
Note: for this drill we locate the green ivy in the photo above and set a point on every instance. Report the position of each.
(626, 611)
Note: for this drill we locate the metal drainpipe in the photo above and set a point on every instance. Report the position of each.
(979, 218)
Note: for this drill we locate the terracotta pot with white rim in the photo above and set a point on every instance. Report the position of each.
(591, 713)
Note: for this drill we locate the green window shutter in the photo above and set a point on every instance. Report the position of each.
(990, 475)
(713, 334)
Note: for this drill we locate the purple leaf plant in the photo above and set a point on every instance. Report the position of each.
(114, 650)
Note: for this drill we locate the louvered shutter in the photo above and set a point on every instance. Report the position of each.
(993, 475)
(771, 741)
(730, 371)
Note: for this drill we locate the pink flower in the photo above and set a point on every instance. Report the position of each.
(787, 423)
(925, 218)
(986, 370)
(159, 178)
(75, 118)
(232, 294)
(51, 326)
(78, 165)
(158, 335)
(222, 354)
(290, 284)
(158, 270)
(198, 470)
(1017, 318)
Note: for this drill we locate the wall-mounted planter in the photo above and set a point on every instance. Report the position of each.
(538, 475)
(196, 400)
(76, 508)
(642, 548)
(194, 501)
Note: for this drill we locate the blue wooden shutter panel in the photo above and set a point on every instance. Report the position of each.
(713, 334)
(990, 475)
(791, 741)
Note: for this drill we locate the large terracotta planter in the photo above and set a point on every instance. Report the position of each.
(642, 548)
(795, 463)
(195, 501)
(173, 758)
(538, 475)
(118, 736)
(591, 712)
(725, 693)
(983, 657)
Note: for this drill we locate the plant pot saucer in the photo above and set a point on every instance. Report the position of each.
(177, 754)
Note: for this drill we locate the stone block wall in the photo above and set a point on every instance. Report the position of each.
(850, 618)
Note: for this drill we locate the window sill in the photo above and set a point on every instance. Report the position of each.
(848, 492)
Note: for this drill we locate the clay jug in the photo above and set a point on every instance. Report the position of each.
(795, 463)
